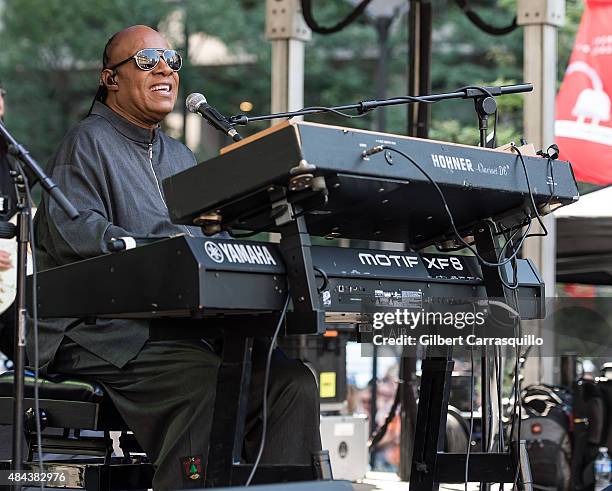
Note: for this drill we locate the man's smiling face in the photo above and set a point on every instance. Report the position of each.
(142, 97)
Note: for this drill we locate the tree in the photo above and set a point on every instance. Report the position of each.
(52, 52)
(52, 56)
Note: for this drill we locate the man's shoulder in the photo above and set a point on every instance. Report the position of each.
(86, 133)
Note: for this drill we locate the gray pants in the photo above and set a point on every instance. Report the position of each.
(166, 396)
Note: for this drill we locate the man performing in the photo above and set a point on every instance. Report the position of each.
(111, 166)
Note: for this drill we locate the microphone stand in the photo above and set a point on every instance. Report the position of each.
(485, 106)
(484, 100)
(22, 231)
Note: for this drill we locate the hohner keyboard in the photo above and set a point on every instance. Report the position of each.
(199, 277)
(382, 197)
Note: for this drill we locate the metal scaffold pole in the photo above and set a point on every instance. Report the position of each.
(288, 33)
(540, 20)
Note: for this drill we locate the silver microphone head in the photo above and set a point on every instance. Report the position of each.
(193, 101)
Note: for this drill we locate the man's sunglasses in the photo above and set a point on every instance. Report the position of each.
(148, 58)
(2, 92)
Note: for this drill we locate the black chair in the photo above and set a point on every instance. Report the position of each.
(73, 406)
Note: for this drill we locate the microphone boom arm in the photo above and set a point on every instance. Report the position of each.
(365, 106)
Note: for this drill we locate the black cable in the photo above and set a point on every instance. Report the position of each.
(365, 110)
(504, 233)
(500, 390)
(362, 107)
(273, 216)
(518, 399)
(533, 204)
(408, 98)
(325, 279)
(499, 374)
(382, 431)
(484, 26)
(472, 396)
(450, 215)
(550, 163)
(315, 27)
(246, 235)
(331, 110)
(264, 410)
(509, 240)
(34, 319)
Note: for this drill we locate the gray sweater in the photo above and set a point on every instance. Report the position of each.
(111, 170)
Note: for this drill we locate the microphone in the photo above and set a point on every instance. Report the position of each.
(196, 103)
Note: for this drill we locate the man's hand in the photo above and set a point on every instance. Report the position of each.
(5, 261)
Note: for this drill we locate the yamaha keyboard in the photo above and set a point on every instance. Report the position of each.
(343, 194)
(205, 277)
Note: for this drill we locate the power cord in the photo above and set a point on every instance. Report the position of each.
(472, 396)
(518, 398)
(323, 274)
(349, 19)
(382, 431)
(264, 410)
(333, 111)
(533, 204)
(273, 216)
(514, 263)
(34, 307)
(366, 106)
(450, 215)
(484, 26)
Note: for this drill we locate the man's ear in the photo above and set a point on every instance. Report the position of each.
(107, 78)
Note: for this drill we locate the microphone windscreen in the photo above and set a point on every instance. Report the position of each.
(193, 101)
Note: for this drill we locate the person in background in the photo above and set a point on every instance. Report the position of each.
(7, 189)
(7, 209)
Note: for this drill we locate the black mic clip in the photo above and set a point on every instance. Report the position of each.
(367, 106)
(241, 119)
(552, 152)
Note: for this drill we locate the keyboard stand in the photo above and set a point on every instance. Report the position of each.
(224, 466)
(430, 464)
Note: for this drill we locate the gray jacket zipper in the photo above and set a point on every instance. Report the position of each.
(161, 195)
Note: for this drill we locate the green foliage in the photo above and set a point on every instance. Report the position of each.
(52, 51)
(52, 56)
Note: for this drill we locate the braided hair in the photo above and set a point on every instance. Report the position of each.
(102, 90)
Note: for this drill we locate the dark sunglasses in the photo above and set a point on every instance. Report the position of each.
(148, 58)
(2, 92)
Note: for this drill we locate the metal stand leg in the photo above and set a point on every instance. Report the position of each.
(431, 422)
(408, 414)
(485, 410)
(233, 383)
(430, 465)
(307, 316)
(526, 479)
(223, 467)
(23, 236)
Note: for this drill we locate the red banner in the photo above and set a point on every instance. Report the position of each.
(583, 122)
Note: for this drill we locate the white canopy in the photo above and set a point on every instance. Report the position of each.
(595, 204)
